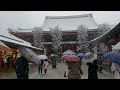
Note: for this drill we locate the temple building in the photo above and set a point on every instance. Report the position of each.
(69, 26)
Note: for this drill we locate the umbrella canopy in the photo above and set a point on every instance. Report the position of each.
(70, 58)
(113, 56)
(29, 55)
(69, 52)
(53, 55)
(88, 55)
(43, 57)
(91, 59)
(81, 54)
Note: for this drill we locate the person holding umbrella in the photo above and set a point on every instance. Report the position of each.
(114, 56)
(74, 66)
(92, 70)
(53, 59)
(45, 66)
(115, 67)
(40, 64)
(80, 55)
(92, 67)
(21, 68)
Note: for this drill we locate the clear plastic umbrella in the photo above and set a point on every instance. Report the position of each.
(29, 55)
(43, 57)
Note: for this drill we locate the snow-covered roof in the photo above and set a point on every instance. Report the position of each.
(112, 26)
(7, 37)
(22, 30)
(69, 22)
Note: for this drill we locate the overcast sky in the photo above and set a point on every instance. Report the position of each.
(30, 19)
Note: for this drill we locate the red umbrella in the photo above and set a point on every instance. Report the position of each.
(70, 58)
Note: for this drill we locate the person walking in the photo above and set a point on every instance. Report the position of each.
(74, 70)
(21, 68)
(92, 70)
(45, 66)
(8, 61)
(53, 62)
(100, 59)
(115, 67)
(40, 66)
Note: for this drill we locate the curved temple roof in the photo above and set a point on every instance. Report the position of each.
(69, 22)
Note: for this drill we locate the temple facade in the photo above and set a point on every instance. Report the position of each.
(69, 26)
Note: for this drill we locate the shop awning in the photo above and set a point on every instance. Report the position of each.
(7, 37)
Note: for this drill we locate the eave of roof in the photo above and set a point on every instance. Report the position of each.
(105, 35)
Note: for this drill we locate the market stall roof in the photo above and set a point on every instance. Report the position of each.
(7, 37)
(106, 35)
(2, 44)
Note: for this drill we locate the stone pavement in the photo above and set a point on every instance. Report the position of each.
(54, 73)
(62, 67)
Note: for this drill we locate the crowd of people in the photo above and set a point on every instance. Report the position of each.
(74, 68)
(21, 66)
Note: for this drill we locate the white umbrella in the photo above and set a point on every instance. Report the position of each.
(89, 53)
(43, 57)
(94, 57)
(69, 52)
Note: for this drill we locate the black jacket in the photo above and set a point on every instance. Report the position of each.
(92, 70)
(21, 67)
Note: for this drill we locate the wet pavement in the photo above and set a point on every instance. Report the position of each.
(57, 73)
(62, 67)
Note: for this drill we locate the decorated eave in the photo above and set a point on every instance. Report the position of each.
(106, 35)
(69, 22)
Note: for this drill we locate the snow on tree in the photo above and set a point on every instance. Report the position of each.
(82, 37)
(38, 37)
(56, 34)
(102, 28)
(82, 34)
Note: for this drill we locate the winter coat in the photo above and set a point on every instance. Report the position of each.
(45, 65)
(21, 68)
(8, 60)
(92, 70)
(116, 69)
(40, 64)
(53, 61)
(74, 70)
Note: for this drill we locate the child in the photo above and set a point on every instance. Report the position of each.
(45, 66)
